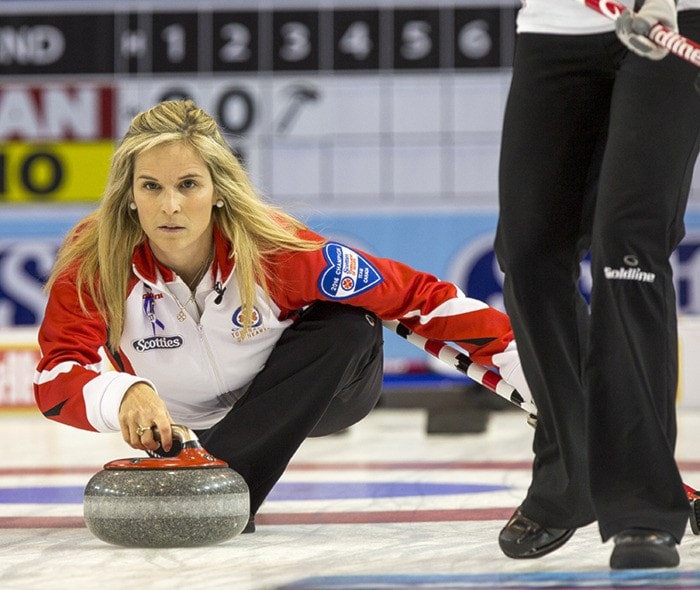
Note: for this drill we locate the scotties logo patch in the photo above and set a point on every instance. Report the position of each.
(157, 343)
(347, 274)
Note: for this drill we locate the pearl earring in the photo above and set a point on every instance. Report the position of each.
(220, 203)
(132, 206)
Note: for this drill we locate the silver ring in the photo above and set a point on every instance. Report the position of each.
(140, 430)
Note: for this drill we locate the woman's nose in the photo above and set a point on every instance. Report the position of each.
(171, 201)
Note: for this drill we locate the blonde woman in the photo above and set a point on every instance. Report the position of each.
(184, 298)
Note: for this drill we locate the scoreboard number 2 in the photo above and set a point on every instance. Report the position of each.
(237, 40)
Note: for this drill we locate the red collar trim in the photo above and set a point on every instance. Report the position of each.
(149, 267)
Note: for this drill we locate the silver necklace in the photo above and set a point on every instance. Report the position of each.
(182, 314)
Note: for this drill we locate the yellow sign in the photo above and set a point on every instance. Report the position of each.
(54, 172)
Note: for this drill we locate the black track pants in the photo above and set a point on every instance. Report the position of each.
(597, 153)
(324, 375)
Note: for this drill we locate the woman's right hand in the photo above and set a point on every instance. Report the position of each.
(140, 410)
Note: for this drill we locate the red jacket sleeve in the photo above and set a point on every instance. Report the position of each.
(430, 307)
(73, 384)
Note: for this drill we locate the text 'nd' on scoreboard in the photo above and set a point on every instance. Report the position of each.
(247, 36)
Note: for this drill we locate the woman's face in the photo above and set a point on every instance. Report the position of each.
(174, 196)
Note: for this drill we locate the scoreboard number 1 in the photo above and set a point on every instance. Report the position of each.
(175, 40)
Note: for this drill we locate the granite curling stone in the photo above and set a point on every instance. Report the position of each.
(189, 500)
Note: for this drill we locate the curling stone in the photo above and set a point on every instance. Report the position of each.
(188, 500)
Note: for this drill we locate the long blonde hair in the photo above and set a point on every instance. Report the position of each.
(102, 244)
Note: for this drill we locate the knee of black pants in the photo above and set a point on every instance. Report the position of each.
(530, 256)
(355, 401)
(357, 343)
(518, 252)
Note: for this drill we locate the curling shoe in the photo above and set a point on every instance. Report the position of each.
(523, 538)
(643, 549)
(250, 527)
(694, 499)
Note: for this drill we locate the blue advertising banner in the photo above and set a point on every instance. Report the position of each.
(454, 245)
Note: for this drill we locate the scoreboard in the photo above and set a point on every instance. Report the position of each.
(200, 39)
(328, 103)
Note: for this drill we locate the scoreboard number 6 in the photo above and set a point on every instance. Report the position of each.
(474, 39)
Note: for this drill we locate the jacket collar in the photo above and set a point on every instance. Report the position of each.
(148, 268)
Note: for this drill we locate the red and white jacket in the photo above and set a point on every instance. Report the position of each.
(202, 365)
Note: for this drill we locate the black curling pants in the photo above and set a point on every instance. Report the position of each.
(324, 374)
(598, 149)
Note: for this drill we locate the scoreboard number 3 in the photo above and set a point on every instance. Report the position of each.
(296, 41)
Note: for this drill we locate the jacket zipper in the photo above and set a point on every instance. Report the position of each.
(210, 356)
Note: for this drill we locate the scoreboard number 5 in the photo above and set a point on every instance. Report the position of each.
(416, 42)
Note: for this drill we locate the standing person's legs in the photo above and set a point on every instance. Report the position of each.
(324, 375)
(633, 369)
(553, 131)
